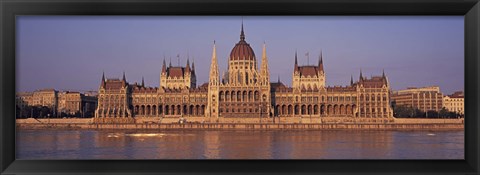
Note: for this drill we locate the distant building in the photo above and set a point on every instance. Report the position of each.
(454, 102)
(45, 97)
(66, 102)
(24, 99)
(425, 98)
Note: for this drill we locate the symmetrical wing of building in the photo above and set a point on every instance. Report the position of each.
(244, 91)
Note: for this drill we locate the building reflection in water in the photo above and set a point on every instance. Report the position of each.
(91, 144)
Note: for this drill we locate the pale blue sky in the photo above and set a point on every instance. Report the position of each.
(70, 52)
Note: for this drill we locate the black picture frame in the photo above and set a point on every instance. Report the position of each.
(9, 9)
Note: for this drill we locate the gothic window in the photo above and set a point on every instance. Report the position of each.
(239, 78)
(221, 96)
(227, 96)
(244, 96)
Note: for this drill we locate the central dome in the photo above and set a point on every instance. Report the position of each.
(242, 50)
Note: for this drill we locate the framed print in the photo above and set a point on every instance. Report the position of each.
(239, 87)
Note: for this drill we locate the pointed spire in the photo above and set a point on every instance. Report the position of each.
(143, 82)
(102, 84)
(351, 80)
(164, 69)
(361, 76)
(320, 61)
(124, 79)
(187, 67)
(193, 66)
(214, 72)
(242, 34)
(278, 79)
(384, 77)
(296, 62)
(103, 77)
(264, 50)
(170, 64)
(214, 54)
(265, 72)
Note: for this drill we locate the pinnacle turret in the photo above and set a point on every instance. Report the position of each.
(295, 68)
(164, 69)
(187, 67)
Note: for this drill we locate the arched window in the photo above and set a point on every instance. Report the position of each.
(239, 96)
(244, 98)
(227, 96)
(240, 78)
(221, 96)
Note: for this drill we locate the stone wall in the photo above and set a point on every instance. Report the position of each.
(281, 120)
(56, 120)
(427, 121)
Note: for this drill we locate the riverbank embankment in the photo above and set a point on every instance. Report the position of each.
(397, 124)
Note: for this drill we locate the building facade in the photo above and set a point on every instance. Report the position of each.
(244, 91)
(425, 98)
(455, 102)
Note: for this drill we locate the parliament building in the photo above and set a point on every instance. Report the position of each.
(244, 91)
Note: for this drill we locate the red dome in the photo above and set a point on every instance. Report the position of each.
(242, 51)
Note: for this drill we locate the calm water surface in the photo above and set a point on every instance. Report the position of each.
(92, 144)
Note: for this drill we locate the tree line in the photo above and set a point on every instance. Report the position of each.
(411, 112)
(46, 112)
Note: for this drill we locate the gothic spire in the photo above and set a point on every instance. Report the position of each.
(242, 34)
(278, 79)
(143, 82)
(214, 72)
(361, 76)
(384, 77)
(265, 72)
(187, 67)
(320, 62)
(103, 77)
(351, 80)
(102, 84)
(193, 66)
(164, 69)
(296, 62)
(124, 79)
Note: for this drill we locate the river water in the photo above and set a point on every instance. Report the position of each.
(95, 144)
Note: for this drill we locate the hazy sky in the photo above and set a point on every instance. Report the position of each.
(70, 52)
